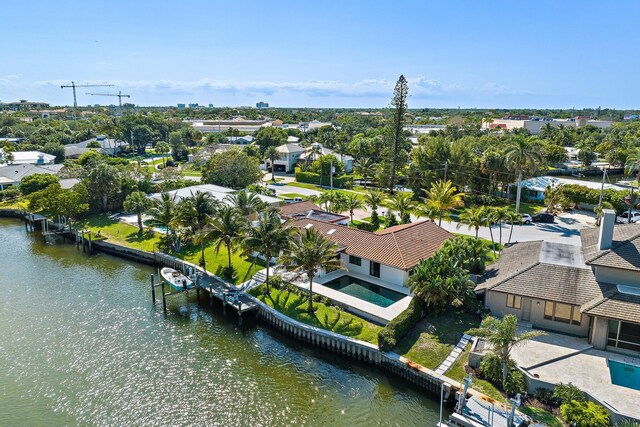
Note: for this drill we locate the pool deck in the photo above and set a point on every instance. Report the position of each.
(559, 358)
(355, 305)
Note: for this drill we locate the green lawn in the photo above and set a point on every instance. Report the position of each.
(432, 339)
(542, 416)
(127, 235)
(325, 317)
(17, 203)
(305, 185)
(292, 195)
(457, 372)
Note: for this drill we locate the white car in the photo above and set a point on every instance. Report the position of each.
(624, 218)
(526, 219)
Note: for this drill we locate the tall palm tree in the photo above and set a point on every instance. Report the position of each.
(633, 164)
(245, 202)
(308, 252)
(474, 217)
(226, 228)
(403, 204)
(373, 198)
(164, 213)
(512, 218)
(267, 238)
(365, 167)
(503, 334)
(351, 203)
(196, 209)
(443, 197)
(500, 215)
(138, 203)
(163, 148)
(271, 154)
(521, 155)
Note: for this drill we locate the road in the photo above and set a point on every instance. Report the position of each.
(287, 189)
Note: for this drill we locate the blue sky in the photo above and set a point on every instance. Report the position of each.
(347, 53)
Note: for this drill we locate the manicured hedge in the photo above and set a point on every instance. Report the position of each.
(389, 336)
(581, 194)
(344, 181)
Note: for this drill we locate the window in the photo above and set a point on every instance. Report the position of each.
(355, 260)
(374, 269)
(563, 313)
(624, 335)
(514, 301)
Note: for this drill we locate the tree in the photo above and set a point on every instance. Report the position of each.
(399, 104)
(403, 205)
(90, 158)
(55, 149)
(521, 155)
(6, 156)
(163, 148)
(554, 198)
(443, 197)
(164, 213)
(270, 136)
(245, 202)
(503, 335)
(32, 183)
(633, 164)
(267, 238)
(598, 210)
(373, 198)
(469, 253)
(138, 203)
(473, 217)
(352, 202)
(271, 153)
(308, 251)
(226, 228)
(94, 144)
(365, 167)
(102, 182)
(438, 281)
(233, 168)
(69, 203)
(178, 147)
(512, 218)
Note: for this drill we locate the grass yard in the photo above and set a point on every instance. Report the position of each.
(292, 195)
(457, 372)
(325, 317)
(120, 232)
(18, 204)
(432, 339)
(308, 186)
(541, 416)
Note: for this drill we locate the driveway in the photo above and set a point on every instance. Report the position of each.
(287, 189)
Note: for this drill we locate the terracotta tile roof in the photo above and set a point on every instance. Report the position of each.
(624, 254)
(402, 247)
(297, 207)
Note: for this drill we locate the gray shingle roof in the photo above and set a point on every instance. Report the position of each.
(515, 258)
(615, 305)
(624, 254)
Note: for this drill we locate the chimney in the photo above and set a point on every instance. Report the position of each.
(605, 241)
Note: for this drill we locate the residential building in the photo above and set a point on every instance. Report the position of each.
(29, 158)
(309, 210)
(243, 140)
(592, 291)
(12, 175)
(535, 188)
(23, 104)
(318, 150)
(241, 124)
(289, 155)
(262, 104)
(535, 124)
(420, 129)
(218, 192)
(109, 146)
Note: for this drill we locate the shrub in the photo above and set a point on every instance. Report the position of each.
(275, 281)
(565, 393)
(9, 193)
(491, 369)
(170, 163)
(343, 181)
(389, 336)
(584, 414)
(366, 226)
(32, 183)
(544, 395)
(516, 383)
(581, 194)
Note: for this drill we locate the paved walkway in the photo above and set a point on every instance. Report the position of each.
(453, 356)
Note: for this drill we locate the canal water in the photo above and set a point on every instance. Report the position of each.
(81, 344)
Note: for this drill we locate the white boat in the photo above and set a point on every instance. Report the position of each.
(176, 279)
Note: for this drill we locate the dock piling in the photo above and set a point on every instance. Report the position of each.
(153, 290)
(164, 298)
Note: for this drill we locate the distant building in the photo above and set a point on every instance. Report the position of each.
(534, 188)
(210, 105)
(289, 155)
(262, 104)
(23, 104)
(534, 124)
(317, 150)
(29, 158)
(193, 105)
(108, 146)
(181, 106)
(240, 139)
(243, 125)
(216, 191)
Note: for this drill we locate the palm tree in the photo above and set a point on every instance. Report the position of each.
(365, 167)
(633, 164)
(503, 334)
(164, 213)
(271, 154)
(352, 202)
(308, 252)
(163, 148)
(474, 217)
(196, 209)
(512, 218)
(138, 203)
(224, 228)
(443, 197)
(245, 202)
(521, 155)
(373, 198)
(598, 211)
(500, 215)
(267, 238)
(403, 204)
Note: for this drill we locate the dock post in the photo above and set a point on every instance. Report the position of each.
(89, 233)
(164, 299)
(224, 303)
(83, 249)
(240, 313)
(211, 295)
(153, 290)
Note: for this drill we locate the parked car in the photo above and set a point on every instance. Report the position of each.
(624, 218)
(543, 217)
(526, 219)
(293, 200)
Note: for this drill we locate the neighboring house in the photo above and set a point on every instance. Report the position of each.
(108, 146)
(289, 155)
(318, 150)
(387, 256)
(535, 124)
(534, 188)
(218, 192)
(309, 210)
(591, 291)
(29, 158)
(11, 175)
(240, 139)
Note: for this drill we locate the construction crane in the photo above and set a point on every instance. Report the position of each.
(75, 99)
(119, 95)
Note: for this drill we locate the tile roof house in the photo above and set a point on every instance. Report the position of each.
(387, 255)
(310, 210)
(591, 291)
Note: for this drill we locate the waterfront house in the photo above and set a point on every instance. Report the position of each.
(310, 210)
(592, 291)
(216, 191)
(12, 175)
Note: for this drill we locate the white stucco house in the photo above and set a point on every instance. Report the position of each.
(289, 155)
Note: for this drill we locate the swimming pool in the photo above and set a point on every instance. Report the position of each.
(625, 374)
(366, 291)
